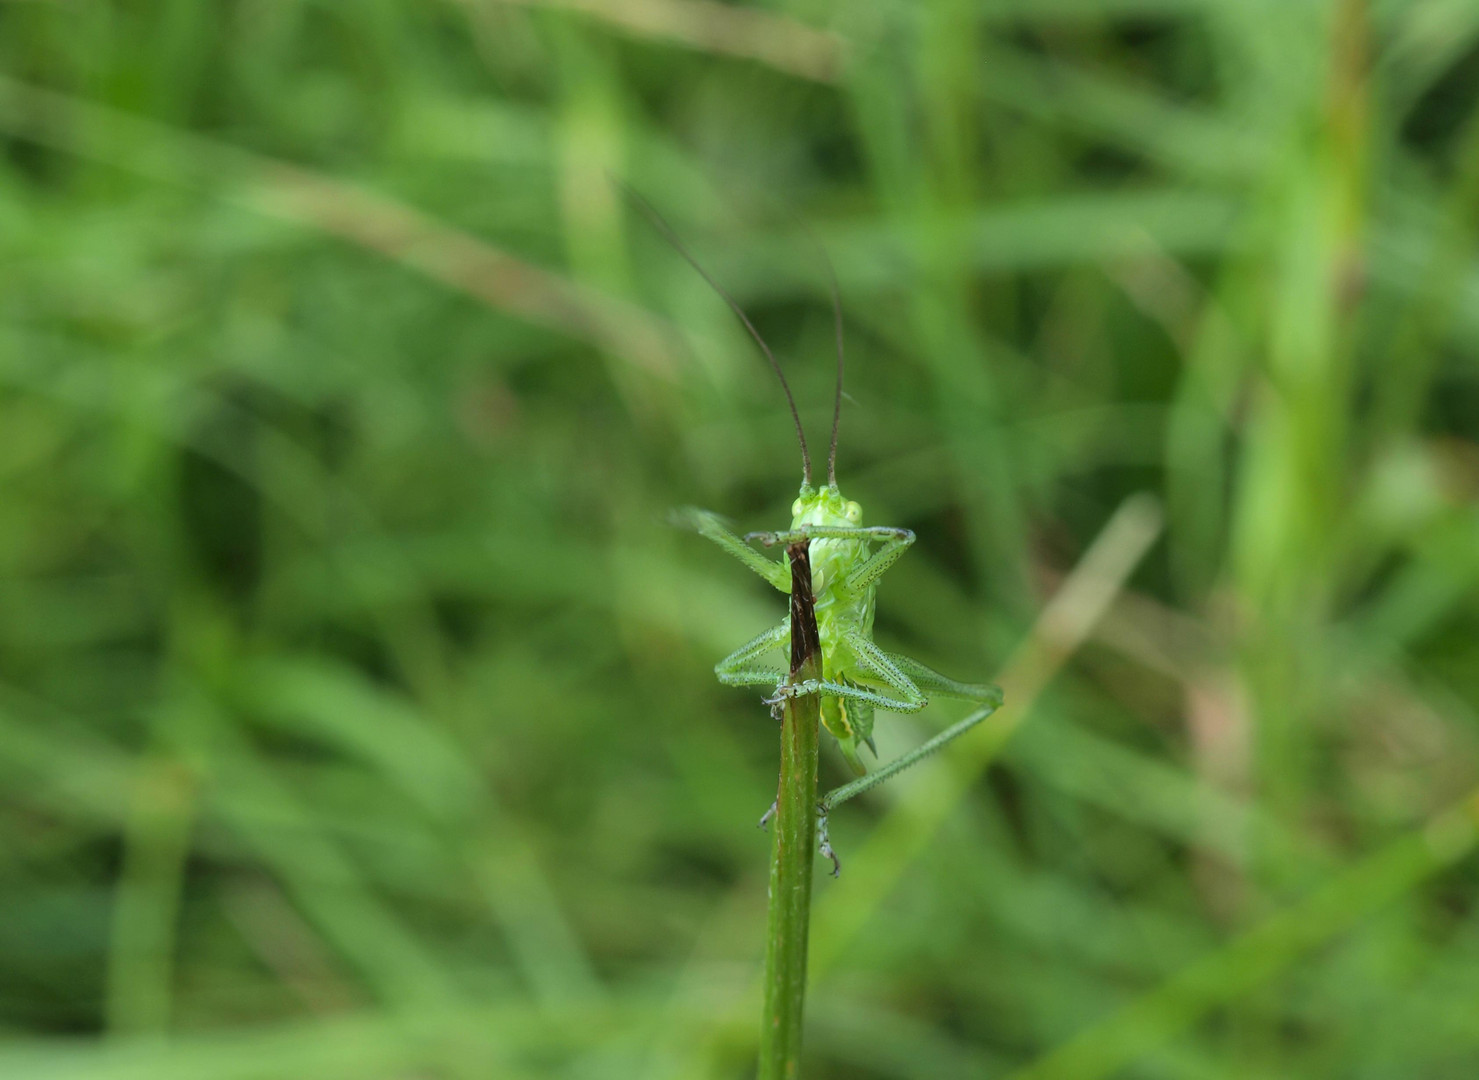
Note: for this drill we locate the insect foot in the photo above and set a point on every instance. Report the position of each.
(785, 691)
(768, 539)
(765, 817)
(824, 845)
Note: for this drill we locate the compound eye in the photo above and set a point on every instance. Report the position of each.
(796, 508)
(854, 512)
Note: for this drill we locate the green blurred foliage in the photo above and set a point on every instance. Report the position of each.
(356, 707)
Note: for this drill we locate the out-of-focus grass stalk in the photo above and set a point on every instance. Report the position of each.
(783, 43)
(795, 841)
(147, 901)
(376, 222)
(1265, 951)
(1288, 511)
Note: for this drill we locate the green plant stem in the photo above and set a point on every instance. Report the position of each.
(795, 840)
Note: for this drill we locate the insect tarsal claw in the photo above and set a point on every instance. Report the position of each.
(765, 817)
(823, 844)
(783, 692)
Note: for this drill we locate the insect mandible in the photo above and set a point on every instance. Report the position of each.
(847, 560)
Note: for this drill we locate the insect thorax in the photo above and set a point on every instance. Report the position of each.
(832, 559)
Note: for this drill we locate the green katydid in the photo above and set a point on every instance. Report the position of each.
(847, 559)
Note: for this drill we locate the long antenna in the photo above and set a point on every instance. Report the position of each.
(837, 400)
(671, 237)
(837, 323)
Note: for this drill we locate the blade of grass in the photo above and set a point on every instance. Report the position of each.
(775, 40)
(373, 221)
(1265, 951)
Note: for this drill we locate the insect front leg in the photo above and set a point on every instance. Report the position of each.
(872, 568)
(712, 526)
(833, 532)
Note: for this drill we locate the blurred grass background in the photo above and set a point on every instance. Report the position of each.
(356, 707)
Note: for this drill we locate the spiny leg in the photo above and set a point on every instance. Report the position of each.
(883, 666)
(831, 532)
(712, 526)
(930, 682)
(880, 666)
(851, 693)
(872, 568)
(738, 669)
(933, 684)
(837, 796)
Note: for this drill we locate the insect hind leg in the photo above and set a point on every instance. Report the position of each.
(824, 843)
(837, 796)
(933, 684)
(765, 817)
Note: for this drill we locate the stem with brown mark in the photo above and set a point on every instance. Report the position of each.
(795, 839)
